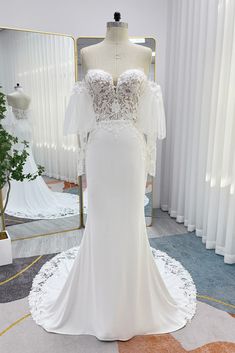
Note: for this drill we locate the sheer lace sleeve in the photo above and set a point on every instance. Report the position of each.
(151, 120)
(79, 119)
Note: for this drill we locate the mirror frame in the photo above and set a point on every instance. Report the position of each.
(76, 78)
(80, 187)
(77, 75)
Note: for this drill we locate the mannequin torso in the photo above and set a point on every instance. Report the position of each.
(116, 53)
(18, 99)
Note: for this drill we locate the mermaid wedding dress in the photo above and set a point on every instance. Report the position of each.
(114, 285)
(33, 199)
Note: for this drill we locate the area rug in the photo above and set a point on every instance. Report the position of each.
(212, 330)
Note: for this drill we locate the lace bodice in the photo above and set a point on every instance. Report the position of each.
(111, 101)
(20, 113)
(96, 102)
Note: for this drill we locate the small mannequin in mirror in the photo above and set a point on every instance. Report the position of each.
(116, 53)
(18, 99)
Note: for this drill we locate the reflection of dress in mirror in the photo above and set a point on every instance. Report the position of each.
(114, 285)
(32, 199)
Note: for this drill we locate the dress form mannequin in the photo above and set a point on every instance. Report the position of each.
(116, 53)
(18, 99)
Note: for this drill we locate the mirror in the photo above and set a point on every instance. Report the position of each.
(145, 41)
(37, 73)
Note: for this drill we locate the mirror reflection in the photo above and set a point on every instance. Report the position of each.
(149, 42)
(37, 73)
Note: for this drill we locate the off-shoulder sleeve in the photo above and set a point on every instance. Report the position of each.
(151, 120)
(79, 119)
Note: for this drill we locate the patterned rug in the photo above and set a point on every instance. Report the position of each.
(212, 330)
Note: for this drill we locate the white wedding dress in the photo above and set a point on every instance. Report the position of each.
(114, 285)
(33, 199)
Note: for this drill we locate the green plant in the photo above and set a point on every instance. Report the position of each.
(12, 160)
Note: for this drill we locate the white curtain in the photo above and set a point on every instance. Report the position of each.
(44, 66)
(198, 157)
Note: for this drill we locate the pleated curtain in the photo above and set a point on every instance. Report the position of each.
(198, 156)
(44, 66)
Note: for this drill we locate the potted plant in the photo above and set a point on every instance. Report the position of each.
(11, 168)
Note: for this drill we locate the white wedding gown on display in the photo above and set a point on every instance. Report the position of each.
(33, 199)
(114, 285)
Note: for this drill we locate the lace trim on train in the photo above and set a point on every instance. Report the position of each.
(59, 212)
(187, 286)
(171, 267)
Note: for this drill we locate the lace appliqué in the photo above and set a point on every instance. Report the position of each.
(114, 102)
(155, 88)
(81, 161)
(151, 154)
(79, 87)
(168, 266)
(21, 113)
(56, 211)
(157, 129)
(116, 106)
(183, 282)
(39, 284)
(82, 147)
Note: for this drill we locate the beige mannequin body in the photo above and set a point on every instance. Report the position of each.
(116, 53)
(18, 99)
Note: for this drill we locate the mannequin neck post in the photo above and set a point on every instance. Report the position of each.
(116, 32)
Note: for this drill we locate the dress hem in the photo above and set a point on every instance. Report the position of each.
(120, 339)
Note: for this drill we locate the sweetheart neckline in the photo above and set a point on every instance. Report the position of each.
(118, 78)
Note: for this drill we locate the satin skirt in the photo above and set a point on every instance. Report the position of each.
(112, 286)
